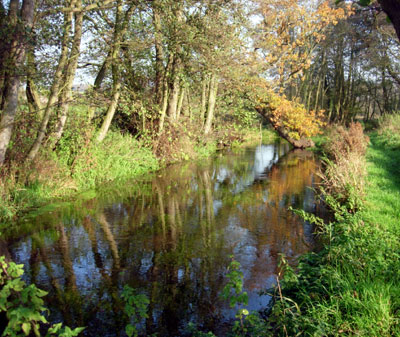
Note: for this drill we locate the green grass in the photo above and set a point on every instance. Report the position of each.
(383, 186)
(352, 286)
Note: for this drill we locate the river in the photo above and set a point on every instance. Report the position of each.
(170, 236)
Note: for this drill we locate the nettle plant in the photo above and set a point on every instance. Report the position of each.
(135, 309)
(247, 323)
(24, 305)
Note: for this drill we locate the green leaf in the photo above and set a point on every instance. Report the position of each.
(364, 2)
(26, 328)
(130, 330)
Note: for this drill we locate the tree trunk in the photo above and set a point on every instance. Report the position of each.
(159, 53)
(69, 74)
(9, 24)
(392, 9)
(18, 59)
(174, 90)
(32, 96)
(55, 87)
(121, 25)
(203, 101)
(112, 107)
(212, 97)
(180, 103)
(97, 83)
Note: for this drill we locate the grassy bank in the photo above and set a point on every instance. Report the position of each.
(352, 286)
(79, 165)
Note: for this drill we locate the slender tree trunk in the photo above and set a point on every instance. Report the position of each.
(18, 59)
(212, 97)
(55, 87)
(112, 107)
(121, 25)
(159, 52)
(174, 90)
(9, 24)
(97, 83)
(180, 103)
(318, 92)
(165, 94)
(3, 48)
(163, 111)
(69, 74)
(384, 92)
(32, 96)
(203, 106)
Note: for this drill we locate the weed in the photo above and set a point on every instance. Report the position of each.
(135, 309)
(24, 305)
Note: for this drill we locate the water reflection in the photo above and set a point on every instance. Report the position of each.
(170, 237)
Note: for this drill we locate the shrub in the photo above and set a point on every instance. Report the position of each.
(24, 305)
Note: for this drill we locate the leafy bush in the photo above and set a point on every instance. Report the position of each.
(135, 309)
(24, 306)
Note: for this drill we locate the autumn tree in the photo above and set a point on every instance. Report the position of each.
(290, 33)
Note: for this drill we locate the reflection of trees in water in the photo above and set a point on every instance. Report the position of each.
(171, 239)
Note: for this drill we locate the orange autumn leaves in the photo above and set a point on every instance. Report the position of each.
(291, 115)
(291, 31)
(294, 117)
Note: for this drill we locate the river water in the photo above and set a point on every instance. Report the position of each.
(170, 236)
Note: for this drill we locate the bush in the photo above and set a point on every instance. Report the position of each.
(24, 305)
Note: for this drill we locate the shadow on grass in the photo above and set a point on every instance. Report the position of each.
(383, 183)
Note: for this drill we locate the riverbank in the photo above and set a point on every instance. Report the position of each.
(71, 171)
(352, 286)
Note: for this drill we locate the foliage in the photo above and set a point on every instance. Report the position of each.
(233, 290)
(289, 51)
(24, 305)
(246, 324)
(135, 309)
(342, 142)
(287, 114)
(294, 117)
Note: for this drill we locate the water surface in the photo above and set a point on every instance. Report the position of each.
(170, 236)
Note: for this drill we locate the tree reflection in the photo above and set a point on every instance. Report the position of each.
(171, 237)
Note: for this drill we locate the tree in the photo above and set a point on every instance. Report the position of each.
(21, 35)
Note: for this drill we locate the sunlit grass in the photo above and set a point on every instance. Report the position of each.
(352, 286)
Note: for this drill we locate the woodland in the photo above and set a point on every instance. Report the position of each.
(95, 92)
